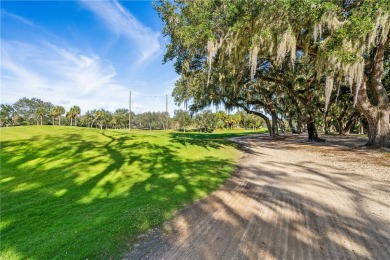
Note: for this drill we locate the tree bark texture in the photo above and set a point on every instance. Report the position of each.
(274, 123)
(377, 115)
(312, 129)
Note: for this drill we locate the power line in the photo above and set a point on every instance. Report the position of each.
(151, 96)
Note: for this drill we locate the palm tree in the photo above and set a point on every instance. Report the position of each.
(59, 112)
(77, 112)
(40, 112)
(73, 112)
(70, 116)
(53, 113)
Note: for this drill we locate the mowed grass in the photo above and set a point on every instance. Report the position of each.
(77, 193)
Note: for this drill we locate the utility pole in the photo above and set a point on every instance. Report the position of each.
(166, 109)
(130, 111)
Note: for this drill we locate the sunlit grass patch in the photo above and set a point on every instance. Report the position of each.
(77, 193)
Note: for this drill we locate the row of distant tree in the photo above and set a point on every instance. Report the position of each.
(37, 112)
(208, 121)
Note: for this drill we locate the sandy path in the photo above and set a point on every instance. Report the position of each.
(288, 200)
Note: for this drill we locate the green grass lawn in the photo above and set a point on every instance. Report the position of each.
(77, 193)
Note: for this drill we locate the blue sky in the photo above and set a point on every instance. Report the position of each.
(85, 53)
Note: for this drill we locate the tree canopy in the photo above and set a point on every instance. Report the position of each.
(238, 52)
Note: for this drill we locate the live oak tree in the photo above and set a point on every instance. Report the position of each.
(183, 117)
(26, 109)
(241, 95)
(354, 51)
(120, 118)
(205, 121)
(7, 113)
(341, 112)
(347, 41)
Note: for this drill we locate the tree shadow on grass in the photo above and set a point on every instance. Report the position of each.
(71, 197)
(267, 211)
(211, 140)
(207, 141)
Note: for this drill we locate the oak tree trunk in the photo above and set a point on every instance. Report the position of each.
(350, 123)
(311, 128)
(327, 123)
(378, 113)
(274, 123)
(290, 124)
(299, 123)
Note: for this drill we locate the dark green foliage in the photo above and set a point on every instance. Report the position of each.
(205, 121)
(25, 109)
(8, 115)
(183, 118)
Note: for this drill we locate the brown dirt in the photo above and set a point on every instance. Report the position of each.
(288, 199)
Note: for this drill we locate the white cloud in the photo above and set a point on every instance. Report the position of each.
(18, 18)
(123, 23)
(59, 75)
(52, 69)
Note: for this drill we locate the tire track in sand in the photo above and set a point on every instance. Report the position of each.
(288, 200)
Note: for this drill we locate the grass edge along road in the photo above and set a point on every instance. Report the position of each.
(77, 193)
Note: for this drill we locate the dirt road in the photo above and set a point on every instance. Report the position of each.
(288, 200)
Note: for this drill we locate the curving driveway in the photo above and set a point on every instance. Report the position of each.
(287, 200)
